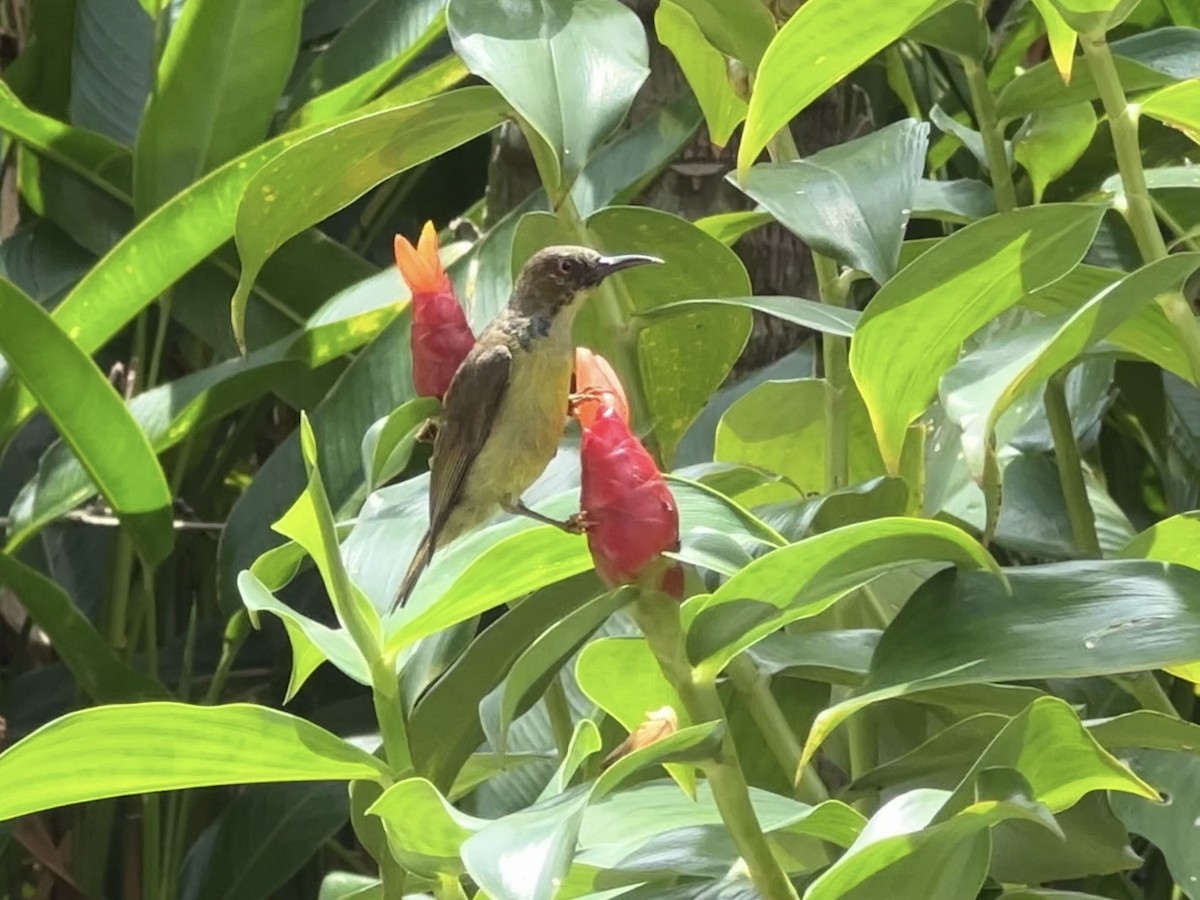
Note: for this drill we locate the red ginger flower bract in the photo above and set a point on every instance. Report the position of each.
(441, 337)
(630, 512)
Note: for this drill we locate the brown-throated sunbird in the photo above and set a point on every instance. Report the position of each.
(504, 413)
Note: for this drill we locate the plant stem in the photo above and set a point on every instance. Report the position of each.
(559, 711)
(658, 618)
(1144, 687)
(389, 710)
(1070, 468)
(236, 633)
(837, 376)
(755, 689)
(993, 136)
(1123, 123)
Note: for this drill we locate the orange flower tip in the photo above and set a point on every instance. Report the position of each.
(420, 266)
(597, 387)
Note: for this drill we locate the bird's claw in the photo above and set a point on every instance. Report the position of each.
(576, 524)
(427, 433)
(578, 398)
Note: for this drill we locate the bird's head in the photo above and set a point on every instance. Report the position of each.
(554, 278)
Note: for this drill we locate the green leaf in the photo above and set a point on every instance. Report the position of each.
(1055, 754)
(1172, 540)
(704, 67)
(1061, 36)
(281, 200)
(803, 579)
(821, 317)
(1150, 59)
(261, 839)
(957, 29)
(146, 747)
(1094, 17)
(912, 329)
(838, 656)
(729, 227)
(570, 68)
(622, 677)
(906, 854)
(534, 669)
(100, 673)
(1110, 617)
(171, 412)
(824, 41)
(962, 201)
(739, 28)
(222, 71)
(439, 747)
(1170, 826)
(676, 364)
(1177, 106)
(852, 201)
(365, 56)
(986, 382)
(388, 444)
(90, 416)
(1053, 140)
(424, 832)
(968, 137)
(111, 66)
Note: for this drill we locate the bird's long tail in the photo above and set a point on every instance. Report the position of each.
(415, 568)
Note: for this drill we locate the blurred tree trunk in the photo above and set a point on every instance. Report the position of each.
(694, 185)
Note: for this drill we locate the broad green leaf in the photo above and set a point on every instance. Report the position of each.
(425, 832)
(1146, 729)
(171, 412)
(705, 68)
(1177, 106)
(986, 382)
(824, 41)
(220, 76)
(1055, 754)
(1156, 179)
(1173, 540)
(839, 656)
(940, 762)
(261, 839)
(851, 202)
(585, 742)
(912, 329)
(1148, 333)
(1110, 617)
(365, 56)
(741, 29)
(141, 748)
(958, 29)
(803, 579)
(622, 677)
(836, 320)
(98, 670)
(963, 201)
(696, 744)
(676, 364)
(350, 886)
(91, 418)
(1170, 826)
(906, 854)
(440, 747)
(1094, 17)
(1052, 140)
(111, 65)
(570, 68)
(534, 669)
(1146, 60)
(729, 227)
(280, 200)
(1061, 36)
(388, 444)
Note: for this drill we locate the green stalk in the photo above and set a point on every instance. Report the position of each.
(1123, 123)
(1144, 688)
(1070, 468)
(236, 633)
(755, 690)
(1139, 209)
(993, 136)
(389, 710)
(835, 353)
(151, 846)
(658, 618)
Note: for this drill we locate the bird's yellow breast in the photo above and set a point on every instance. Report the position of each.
(529, 423)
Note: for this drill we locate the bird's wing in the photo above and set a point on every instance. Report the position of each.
(471, 405)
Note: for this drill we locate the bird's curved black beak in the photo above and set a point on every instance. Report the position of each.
(610, 264)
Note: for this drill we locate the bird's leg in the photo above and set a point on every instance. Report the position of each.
(578, 398)
(427, 433)
(575, 524)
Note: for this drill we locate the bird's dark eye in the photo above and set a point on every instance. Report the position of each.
(566, 266)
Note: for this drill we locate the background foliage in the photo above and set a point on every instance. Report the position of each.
(922, 365)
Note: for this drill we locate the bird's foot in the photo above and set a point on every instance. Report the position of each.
(427, 433)
(577, 523)
(592, 394)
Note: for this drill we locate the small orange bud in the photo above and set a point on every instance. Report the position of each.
(659, 724)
